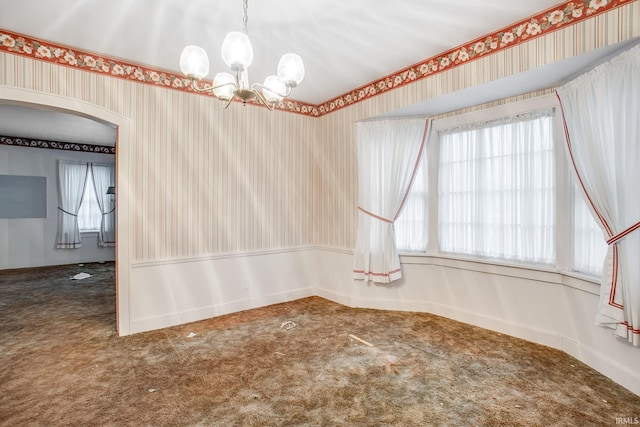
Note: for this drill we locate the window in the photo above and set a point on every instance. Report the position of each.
(497, 189)
(89, 215)
(84, 204)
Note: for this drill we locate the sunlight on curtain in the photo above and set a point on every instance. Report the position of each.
(89, 215)
(411, 226)
(497, 189)
(589, 246)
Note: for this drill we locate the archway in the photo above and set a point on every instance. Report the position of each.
(74, 106)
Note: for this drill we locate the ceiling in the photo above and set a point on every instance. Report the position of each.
(344, 44)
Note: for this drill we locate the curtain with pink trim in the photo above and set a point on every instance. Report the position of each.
(389, 153)
(601, 111)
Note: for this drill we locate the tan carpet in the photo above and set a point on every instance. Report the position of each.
(62, 364)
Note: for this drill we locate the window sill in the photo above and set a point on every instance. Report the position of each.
(521, 271)
(581, 281)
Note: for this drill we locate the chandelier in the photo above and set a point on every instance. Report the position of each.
(237, 53)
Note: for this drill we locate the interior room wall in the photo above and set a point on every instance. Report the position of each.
(195, 182)
(30, 242)
(214, 200)
(548, 308)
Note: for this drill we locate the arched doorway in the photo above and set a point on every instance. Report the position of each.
(77, 107)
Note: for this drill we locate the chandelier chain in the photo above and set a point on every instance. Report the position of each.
(245, 18)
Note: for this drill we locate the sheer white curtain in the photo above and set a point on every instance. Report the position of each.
(388, 159)
(411, 227)
(602, 120)
(104, 177)
(589, 245)
(89, 216)
(72, 177)
(497, 189)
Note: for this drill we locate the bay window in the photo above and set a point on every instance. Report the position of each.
(492, 186)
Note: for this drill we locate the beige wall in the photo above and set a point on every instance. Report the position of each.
(193, 181)
(202, 180)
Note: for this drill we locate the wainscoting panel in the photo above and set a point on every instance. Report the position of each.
(172, 292)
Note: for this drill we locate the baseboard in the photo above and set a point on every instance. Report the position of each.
(536, 335)
(601, 363)
(202, 313)
(335, 297)
(528, 333)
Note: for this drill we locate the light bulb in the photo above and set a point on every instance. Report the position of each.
(237, 51)
(291, 69)
(194, 62)
(227, 85)
(273, 89)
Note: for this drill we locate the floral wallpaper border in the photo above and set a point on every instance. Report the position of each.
(552, 19)
(565, 14)
(55, 145)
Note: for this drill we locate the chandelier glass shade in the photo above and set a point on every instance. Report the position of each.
(237, 53)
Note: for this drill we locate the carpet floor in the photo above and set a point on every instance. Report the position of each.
(293, 364)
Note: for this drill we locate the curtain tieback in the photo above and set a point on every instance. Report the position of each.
(68, 213)
(374, 215)
(614, 239)
(107, 213)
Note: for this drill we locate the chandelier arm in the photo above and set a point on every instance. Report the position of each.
(261, 86)
(211, 88)
(226, 105)
(261, 98)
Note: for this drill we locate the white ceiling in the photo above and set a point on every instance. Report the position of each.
(344, 44)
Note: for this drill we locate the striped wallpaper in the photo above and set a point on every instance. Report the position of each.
(204, 180)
